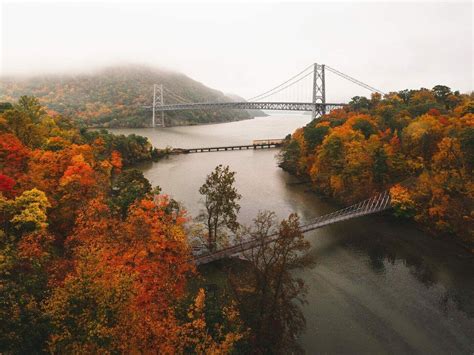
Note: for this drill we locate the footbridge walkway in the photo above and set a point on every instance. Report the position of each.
(375, 204)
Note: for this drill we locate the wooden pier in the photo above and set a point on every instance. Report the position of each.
(256, 144)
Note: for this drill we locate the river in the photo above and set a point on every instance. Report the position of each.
(380, 285)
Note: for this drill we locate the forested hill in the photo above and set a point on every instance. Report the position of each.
(114, 97)
(422, 139)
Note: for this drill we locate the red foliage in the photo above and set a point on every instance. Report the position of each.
(6, 184)
(13, 155)
(433, 112)
(444, 121)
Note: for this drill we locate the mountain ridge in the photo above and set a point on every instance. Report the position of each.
(115, 96)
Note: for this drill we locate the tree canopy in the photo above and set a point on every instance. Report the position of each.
(92, 258)
(423, 138)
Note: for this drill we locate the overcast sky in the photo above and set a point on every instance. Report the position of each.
(247, 48)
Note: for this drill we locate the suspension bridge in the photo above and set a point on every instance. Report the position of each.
(375, 204)
(305, 91)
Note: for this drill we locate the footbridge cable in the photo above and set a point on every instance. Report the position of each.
(377, 203)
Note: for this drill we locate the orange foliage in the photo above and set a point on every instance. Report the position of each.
(144, 261)
(372, 144)
(116, 161)
(78, 172)
(82, 277)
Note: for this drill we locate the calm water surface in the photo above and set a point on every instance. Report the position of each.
(380, 285)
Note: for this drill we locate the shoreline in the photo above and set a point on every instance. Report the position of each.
(469, 249)
(176, 125)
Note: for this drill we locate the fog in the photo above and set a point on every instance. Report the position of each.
(248, 48)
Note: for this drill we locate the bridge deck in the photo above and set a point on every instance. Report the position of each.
(373, 205)
(280, 106)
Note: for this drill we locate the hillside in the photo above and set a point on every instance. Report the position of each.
(417, 143)
(115, 96)
(253, 113)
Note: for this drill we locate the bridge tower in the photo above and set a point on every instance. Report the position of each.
(158, 100)
(319, 90)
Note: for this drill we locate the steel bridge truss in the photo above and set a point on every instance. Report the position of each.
(319, 91)
(277, 106)
(317, 106)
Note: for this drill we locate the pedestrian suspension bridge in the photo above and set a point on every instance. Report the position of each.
(375, 204)
(305, 91)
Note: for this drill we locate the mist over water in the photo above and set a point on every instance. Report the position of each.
(380, 285)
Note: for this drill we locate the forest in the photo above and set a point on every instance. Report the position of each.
(419, 144)
(116, 96)
(93, 259)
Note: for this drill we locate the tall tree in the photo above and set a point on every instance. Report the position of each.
(220, 205)
(269, 294)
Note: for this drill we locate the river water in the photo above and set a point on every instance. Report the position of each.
(380, 285)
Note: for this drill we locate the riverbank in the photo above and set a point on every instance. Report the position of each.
(306, 181)
(175, 124)
(360, 148)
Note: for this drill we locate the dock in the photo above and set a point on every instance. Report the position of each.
(256, 144)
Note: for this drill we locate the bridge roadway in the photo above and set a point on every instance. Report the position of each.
(375, 204)
(280, 106)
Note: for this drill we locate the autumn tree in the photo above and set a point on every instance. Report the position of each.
(269, 294)
(402, 201)
(128, 187)
(447, 191)
(314, 134)
(14, 158)
(220, 205)
(359, 103)
(25, 254)
(25, 121)
(289, 155)
(128, 278)
(373, 144)
(84, 270)
(421, 137)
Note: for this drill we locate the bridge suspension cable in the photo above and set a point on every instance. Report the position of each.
(291, 95)
(283, 88)
(350, 78)
(258, 97)
(177, 97)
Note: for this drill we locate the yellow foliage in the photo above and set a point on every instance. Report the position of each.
(401, 201)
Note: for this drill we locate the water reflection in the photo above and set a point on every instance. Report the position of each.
(432, 262)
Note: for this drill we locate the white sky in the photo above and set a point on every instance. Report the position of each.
(246, 48)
